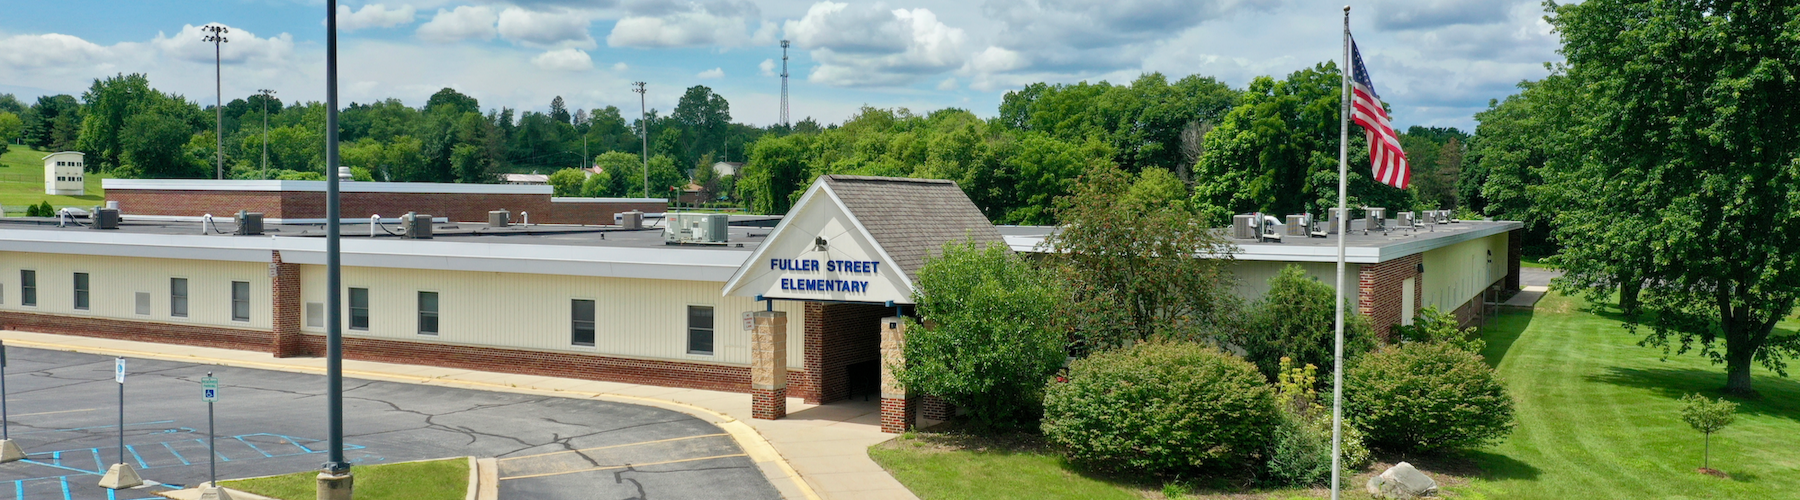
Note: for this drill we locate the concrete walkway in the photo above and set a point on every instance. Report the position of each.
(1527, 297)
(817, 452)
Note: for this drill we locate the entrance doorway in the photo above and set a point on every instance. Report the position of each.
(843, 351)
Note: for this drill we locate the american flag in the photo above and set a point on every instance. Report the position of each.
(1385, 156)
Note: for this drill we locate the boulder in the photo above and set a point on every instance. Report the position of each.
(1402, 481)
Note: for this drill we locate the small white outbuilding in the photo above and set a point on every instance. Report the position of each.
(63, 173)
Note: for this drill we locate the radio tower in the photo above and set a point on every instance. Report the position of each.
(784, 75)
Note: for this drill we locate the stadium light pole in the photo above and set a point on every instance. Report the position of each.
(644, 127)
(217, 38)
(334, 481)
(267, 94)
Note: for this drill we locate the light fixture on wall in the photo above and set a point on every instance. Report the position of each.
(819, 243)
(1421, 268)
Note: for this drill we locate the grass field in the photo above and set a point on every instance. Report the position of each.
(22, 183)
(1596, 415)
(446, 479)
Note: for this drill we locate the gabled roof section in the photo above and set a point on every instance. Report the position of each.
(912, 219)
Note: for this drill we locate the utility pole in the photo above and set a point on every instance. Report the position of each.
(784, 78)
(218, 37)
(267, 94)
(644, 127)
(335, 481)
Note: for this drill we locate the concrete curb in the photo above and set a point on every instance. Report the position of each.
(753, 443)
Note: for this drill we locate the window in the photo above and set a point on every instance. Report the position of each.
(143, 303)
(178, 297)
(700, 329)
(581, 330)
(81, 291)
(240, 301)
(359, 309)
(428, 313)
(315, 314)
(28, 288)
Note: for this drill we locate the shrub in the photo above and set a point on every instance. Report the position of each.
(992, 344)
(1426, 396)
(1295, 320)
(1161, 408)
(1436, 326)
(1300, 449)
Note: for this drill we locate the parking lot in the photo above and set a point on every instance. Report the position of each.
(64, 412)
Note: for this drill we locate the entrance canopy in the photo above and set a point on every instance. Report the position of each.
(860, 239)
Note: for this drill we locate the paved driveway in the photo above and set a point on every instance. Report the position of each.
(64, 409)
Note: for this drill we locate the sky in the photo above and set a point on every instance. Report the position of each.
(1435, 62)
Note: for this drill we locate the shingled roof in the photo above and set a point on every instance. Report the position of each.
(912, 218)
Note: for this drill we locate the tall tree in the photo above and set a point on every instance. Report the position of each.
(703, 117)
(1690, 164)
(457, 102)
(110, 102)
(559, 112)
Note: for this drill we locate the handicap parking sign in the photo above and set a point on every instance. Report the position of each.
(209, 389)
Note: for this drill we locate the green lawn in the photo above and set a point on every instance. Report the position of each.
(1529, 261)
(1596, 419)
(22, 183)
(446, 479)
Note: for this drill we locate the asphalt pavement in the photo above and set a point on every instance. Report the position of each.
(64, 410)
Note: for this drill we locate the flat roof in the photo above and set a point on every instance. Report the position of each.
(318, 186)
(1361, 247)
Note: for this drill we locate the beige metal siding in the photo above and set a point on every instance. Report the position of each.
(1253, 276)
(1457, 273)
(639, 318)
(114, 282)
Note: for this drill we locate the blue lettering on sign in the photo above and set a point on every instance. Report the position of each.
(821, 285)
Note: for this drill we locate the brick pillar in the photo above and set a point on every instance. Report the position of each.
(898, 412)
(814, 353)
(1515, 243)
(285, 282)
(768, 365)
(935, 408)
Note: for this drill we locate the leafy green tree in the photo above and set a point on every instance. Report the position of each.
(451, 101)
(990, 347)
(1434, 326)
(774, 175)
(1708, 417)
(155, 145)
(11, 127)
(624, 173)
(1134, 268)
(53, 123)
(1515, 141)
(597, 186)
(567, 182)
(110, 103)
(1689, 161)
(1141, 122)
(559, 112)
(1295, 321)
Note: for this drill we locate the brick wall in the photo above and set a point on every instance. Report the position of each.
(287, 340)
(1379, 289)
(142, 331)
(589, 213)
(837, 336)
(456, 207)
(197, 203)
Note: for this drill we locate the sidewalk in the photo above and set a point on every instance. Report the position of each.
(816, 452)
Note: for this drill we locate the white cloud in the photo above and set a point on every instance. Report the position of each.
(711, 73)
(49, 50)
(570, 59)
(722, 22)
(767, 67)
(947, 84)
(374, 16)
(463, 23)
(546, 29)
(241, 46)
(620, 66)
(869, 46)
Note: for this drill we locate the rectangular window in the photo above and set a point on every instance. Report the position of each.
(581, 329)
(700, 329)
(81, 291)
(240, 301)
(428, 313)
(359, 309)
(315, 314)
(178, 297)
(28, 287)
(143, 303)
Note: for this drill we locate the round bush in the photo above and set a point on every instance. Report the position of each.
(1426, 396)
(1161, 408)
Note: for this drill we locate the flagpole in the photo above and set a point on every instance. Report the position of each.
(1337, 353)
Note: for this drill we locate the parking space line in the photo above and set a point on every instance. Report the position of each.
(184, 460)
(611, 447)
(665, 462)
(51, 412)
(135, 455)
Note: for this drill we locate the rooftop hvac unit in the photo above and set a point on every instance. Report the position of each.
(1243, 226)
(697, 229)
(1299, 225)
(248, 223)
(629, 220)
(1270, 230)
(1332, 216)
(1404, 220)
(499, 218)
(105, 218)
(417, 225)
(1376, 219)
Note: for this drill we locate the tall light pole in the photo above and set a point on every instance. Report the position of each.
(784, 77)
(218, 37)
(267, 94)
(334, 481)
(644, 126)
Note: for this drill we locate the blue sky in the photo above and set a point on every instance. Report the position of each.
(1435, 61)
